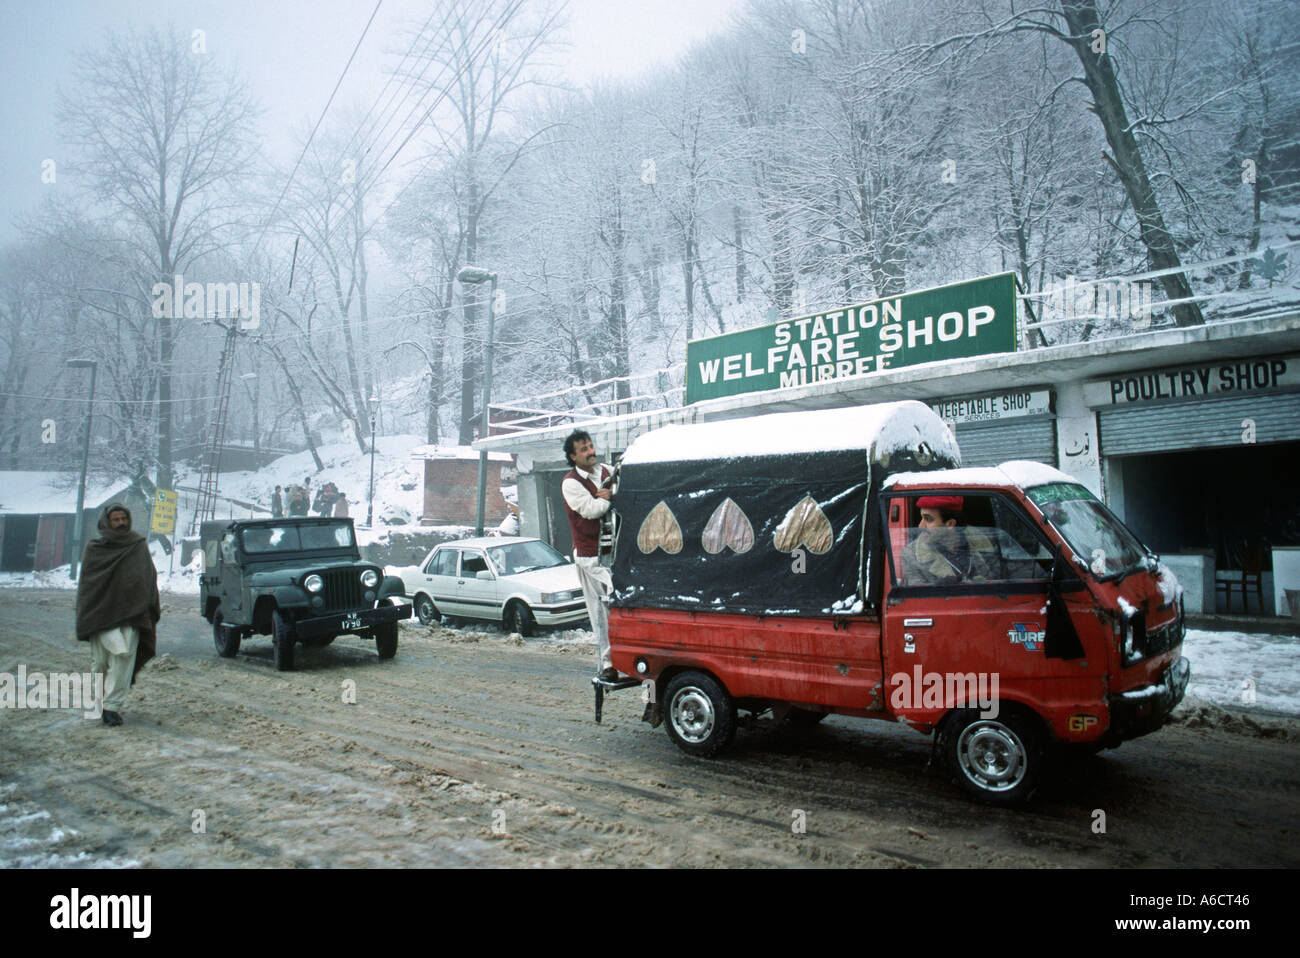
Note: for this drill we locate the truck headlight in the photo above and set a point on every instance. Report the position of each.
(370, 578)
(313, 583)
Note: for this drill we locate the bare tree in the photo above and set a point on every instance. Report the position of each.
(163, 137)
(483, 53)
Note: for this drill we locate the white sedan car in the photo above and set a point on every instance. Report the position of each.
(521, 583)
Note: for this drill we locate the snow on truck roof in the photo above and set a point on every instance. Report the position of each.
(881, 428)
(1017, 472)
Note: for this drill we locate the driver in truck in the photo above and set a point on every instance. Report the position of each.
(946, 550)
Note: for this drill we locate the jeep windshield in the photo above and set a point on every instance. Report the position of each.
(1097, 537)
(260, 540)
(523, 557)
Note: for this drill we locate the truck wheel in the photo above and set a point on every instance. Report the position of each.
(386, 639)
(283, 638)
(519, 618)
(224, 637)
(999, 760)
(425, 610)
(701, 715)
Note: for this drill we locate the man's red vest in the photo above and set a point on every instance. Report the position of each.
(586, 532)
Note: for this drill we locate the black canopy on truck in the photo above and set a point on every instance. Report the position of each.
(766, 515)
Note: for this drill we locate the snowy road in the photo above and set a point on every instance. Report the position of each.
(471, 749)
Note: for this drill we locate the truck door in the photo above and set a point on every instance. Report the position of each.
(965, 601)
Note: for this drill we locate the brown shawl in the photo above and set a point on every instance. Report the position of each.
(118, 586)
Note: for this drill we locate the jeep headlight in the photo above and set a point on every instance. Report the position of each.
(370, 578)
(313, 583)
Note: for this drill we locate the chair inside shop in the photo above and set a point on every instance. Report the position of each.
(1252, 574)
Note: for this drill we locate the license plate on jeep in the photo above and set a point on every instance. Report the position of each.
(351, 621)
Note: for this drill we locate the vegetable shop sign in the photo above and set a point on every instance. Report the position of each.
(957, 321)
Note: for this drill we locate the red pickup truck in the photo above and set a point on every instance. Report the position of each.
(801, 564)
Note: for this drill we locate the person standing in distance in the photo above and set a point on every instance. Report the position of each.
(117, 606)
(586, 500)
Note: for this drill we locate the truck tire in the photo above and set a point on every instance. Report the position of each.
(283, 638)
(519, 618)
(998, 760)
(225, 637)
(701, 718)
(386, 639)
(425, 610)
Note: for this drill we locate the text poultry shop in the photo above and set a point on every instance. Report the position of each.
(957, 321)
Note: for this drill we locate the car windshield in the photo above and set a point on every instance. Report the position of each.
(1094, 533)
(520, 557)
(296, 538)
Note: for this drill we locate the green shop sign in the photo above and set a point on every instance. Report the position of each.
(974, 318)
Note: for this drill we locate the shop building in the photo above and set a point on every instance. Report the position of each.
(1192, 436)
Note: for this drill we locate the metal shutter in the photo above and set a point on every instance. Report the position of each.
(1202, 424)
(987, 444)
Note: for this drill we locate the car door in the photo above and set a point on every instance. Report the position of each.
(439, 575)
(477, 597)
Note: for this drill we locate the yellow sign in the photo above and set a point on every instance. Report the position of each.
(164, 512)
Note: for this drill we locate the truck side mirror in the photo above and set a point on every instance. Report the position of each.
(1062, 640)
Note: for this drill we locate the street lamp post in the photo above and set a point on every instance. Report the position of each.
(473, 275)
(370, 509)
(79, 523)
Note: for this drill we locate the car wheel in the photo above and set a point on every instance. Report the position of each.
(386, 639)
(425, 610)
(519, 618)
(283, 638)
(999, 760)
(701, 716)
(225, 637)
(803, 718)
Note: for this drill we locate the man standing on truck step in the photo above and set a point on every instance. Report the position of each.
(117, 606)
(587, 498)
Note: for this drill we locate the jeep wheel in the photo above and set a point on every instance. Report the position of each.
(999, 760)
(425, 610)
(519, 618)
(225, 637)
(386, 639)
(284, 639)
(701, 716)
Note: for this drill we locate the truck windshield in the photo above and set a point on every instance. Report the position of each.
(1106, 547)
(295, 538)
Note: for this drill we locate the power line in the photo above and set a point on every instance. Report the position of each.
(319, 120)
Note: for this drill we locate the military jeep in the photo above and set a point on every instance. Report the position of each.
(296, 580)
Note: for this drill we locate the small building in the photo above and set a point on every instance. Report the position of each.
(38, 516)
(451, 486)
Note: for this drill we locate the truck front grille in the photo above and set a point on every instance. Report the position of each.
(343, 590)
